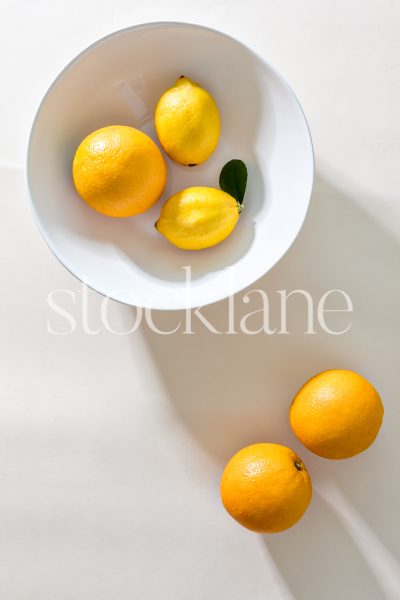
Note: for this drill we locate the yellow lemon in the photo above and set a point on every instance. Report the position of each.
(266, 488)
(119, 171)
(336, 414)
(187, 122)
(198, 217)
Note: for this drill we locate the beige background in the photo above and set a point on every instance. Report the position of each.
(111, 447)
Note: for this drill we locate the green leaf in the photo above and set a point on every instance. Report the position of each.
(233, 179)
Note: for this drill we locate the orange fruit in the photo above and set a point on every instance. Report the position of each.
(336, 414)
(266, 488)
(119, 171)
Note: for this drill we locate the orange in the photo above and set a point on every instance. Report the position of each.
(119, 171)
(266, 488)
(336, 414)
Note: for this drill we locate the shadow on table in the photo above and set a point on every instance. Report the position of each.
(230, 390)
(334, 553)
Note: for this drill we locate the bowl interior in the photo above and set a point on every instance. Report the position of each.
(118, 80)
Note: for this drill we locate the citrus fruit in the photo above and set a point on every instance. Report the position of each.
(198, 217)
(187, 122)
(336, 414)
(266, 488)
(119, 171)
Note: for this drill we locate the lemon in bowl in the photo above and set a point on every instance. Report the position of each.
(187, 122)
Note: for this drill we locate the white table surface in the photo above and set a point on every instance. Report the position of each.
(111, 447)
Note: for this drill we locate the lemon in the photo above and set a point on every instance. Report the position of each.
(336, 414)
(187, 122)
(198, 217)
(119, 171)
(266, 488)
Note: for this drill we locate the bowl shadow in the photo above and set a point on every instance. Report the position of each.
(233, 389)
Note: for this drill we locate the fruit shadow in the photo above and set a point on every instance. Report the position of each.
(332, 553)
(137, 238)
(230, 390)
(152, 253)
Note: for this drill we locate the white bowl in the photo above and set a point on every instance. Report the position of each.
(118, 80)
